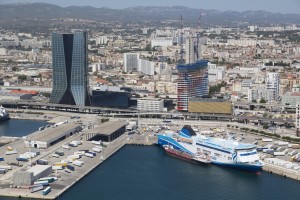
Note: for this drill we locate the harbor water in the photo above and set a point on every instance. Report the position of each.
(20, 127)
(146, 172)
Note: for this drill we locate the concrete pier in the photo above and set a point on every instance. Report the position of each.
(288, 173)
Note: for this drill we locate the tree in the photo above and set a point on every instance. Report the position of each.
(254, 101)
(22, 77)
(262, 100)
(265, 126)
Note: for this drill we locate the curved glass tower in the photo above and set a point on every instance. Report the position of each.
(70, 69)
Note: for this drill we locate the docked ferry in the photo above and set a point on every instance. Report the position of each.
(3, 114)
(224, 152)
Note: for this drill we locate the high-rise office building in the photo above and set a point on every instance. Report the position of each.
(192, 82)
(272, 87)
(131, 61)
(70, 69)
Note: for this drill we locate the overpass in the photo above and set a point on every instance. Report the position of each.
(115, 112)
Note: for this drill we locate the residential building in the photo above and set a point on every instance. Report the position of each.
(70, 69)
(146, 67)
(131, 61)
(272, 87)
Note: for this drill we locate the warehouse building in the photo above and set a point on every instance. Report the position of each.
(210, 106)
(7, 95)
(106, 132)
(26, 178)
(52, 135)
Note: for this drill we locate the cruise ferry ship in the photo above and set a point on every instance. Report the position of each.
(223, 152)
(3, 114)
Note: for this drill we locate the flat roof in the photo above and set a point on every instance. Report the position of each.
(107, 128)
(50, 133)
(37, 169)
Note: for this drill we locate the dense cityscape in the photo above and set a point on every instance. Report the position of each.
(134, 82)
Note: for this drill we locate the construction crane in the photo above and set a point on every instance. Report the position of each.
(181, 41)
(196, 51)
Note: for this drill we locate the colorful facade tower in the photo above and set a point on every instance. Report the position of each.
(192, 82)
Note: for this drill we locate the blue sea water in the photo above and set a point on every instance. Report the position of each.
(147, 173)
(20, 127)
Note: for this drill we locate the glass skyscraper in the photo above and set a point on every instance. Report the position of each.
(70, 69)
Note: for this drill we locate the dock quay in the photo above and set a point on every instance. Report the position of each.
(288, 173)
(65, 180)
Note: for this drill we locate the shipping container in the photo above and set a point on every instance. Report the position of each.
(3, 171)
(11, 152)
(42, 162)
(79, 153)
(49, 179)
(57, 167)
(70, 167)
(55, 155)
(73, 144)
(281, 143)
(278, 153)
(270, 151)
(22, 159)
(7, 167)
(44, 183)
(93, 153)
(96, 149)
(96, 142)
(89, 155)
(36, 188)
(78, 164)
(61, 153)
(65, 146)
(267, 140)
(296, 146)
(64, 164)
(78, 142)
(46, 191)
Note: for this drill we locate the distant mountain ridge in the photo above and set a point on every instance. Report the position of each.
(45, 11)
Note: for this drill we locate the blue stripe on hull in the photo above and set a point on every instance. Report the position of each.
(163, 140)
(244, 167)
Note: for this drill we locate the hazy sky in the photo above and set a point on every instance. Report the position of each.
(283, 6)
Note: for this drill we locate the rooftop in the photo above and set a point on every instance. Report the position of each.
(107, 128)
(53, 132)
(38, 169)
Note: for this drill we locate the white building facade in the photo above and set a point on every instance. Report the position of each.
(272, 87)
(150, 104)
(131, 61)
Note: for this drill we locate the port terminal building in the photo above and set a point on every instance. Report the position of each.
(52, 135)
(106, 132)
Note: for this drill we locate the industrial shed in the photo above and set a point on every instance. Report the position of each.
(50, 136)
(106, 132)
(26, 178)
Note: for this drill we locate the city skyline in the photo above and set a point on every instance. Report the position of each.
(288, 6)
